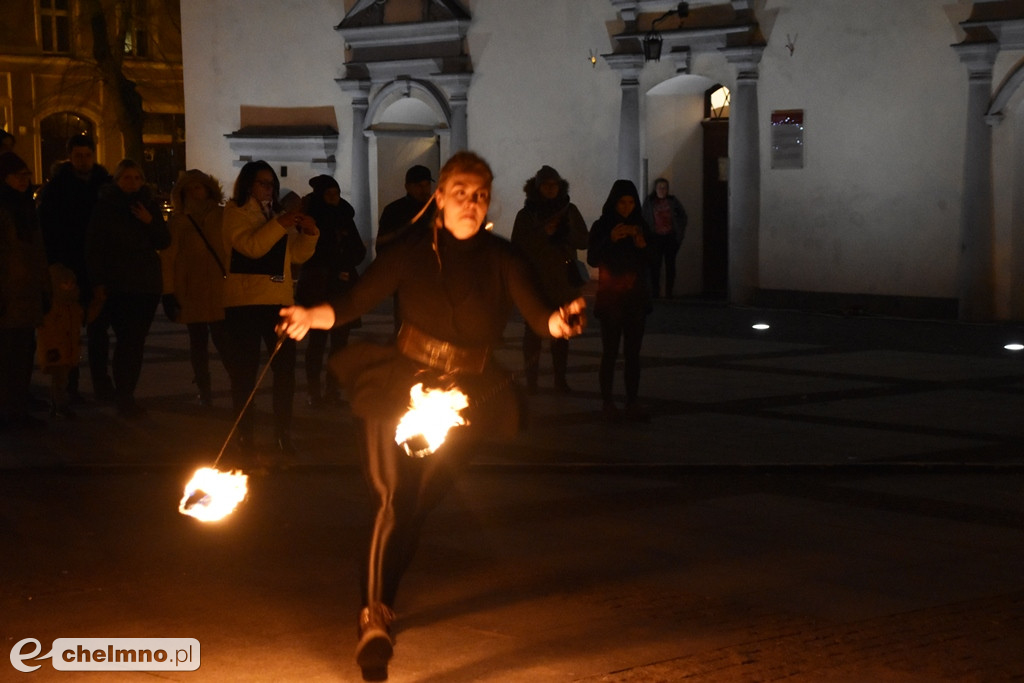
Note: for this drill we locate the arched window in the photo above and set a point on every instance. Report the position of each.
(55, 131)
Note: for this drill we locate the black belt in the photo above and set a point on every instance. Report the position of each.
(416, 344)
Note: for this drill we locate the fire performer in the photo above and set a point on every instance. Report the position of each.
(456, 289)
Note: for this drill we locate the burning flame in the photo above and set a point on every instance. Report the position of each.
(431, 415)
(212, 495)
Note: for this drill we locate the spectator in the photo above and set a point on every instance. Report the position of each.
(194, 269)
(126, 230)
(406, 216)
(24, 286)
(550, 230)
(619, 250)
(65, 208)
(263, 243)
(666, 218)
(329, 272)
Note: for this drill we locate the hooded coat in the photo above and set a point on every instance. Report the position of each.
(550, 232)
(623, 283)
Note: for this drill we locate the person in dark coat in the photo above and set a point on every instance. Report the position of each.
(24, 287)
(406, 216)
(618, 248)
(125, 233)
(550, 230)
(65, 208)
(329, 272)
(457, 288)
(666, 217)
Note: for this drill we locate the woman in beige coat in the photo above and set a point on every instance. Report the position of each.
(194, 269)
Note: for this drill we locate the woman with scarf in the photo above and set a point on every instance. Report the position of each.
(456, 287)
(125, 231)
(330, 271)
(550, 230)
(619, 249)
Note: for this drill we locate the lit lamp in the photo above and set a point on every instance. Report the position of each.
(653, 40)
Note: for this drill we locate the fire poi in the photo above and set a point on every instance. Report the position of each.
(431, 415)
(212, 495)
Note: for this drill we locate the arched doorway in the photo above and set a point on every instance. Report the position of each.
(408, 124)
(54, 132)
(687, 144)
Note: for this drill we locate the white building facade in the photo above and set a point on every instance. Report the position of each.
(872, 157)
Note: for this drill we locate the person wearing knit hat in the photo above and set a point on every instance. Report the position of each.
(322, 183)
(24, 281)
(329, 272)
(6, 141)
(550, 230)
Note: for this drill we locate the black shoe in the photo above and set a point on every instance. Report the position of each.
(204, 398)
(562, 387)
(37, 404)
(375, 644)
(315, 401)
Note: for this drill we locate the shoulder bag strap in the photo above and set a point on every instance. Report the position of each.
(209, 246)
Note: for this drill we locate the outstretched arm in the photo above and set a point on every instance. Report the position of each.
(296, 321)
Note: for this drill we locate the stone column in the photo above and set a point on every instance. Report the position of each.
(976, 277)
(629, 66)
(360, 177)
(744, 176)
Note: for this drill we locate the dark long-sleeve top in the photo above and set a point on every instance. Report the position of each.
(121, 250)
(466, 301)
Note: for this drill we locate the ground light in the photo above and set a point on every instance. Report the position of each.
(1015, 346)
(760, 326)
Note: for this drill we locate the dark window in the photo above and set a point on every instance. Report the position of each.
(136, 37)
(55, 25)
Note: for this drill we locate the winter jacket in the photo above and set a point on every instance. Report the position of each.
(250, 234)
(65, 208)
(553, 256)
(121, 250)
(679, 218)
(191, 272)
(24, 279)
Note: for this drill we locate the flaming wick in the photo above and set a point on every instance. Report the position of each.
(212, 495)
(430, 417)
